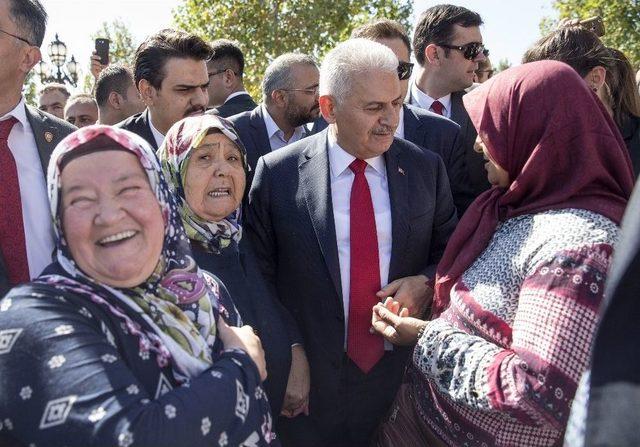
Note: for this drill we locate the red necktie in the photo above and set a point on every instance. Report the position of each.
(12, 242)
(437, 107)
(364, 348)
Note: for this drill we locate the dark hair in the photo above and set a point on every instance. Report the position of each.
(81, 98)
(225, 51)
(576, 46)
(625, 99)
(114, 78)
(31, 17)
(55, 87)
(382, 29)
(152, 55)
(436, 26)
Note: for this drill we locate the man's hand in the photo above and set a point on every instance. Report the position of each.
(96, 66)
(412, 292)
(296, 397)
(394, 323)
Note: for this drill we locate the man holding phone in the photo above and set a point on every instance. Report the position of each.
(171, 75)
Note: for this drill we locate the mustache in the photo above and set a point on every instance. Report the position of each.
(198, 109)
(383, 130)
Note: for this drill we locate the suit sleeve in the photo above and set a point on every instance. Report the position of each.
(262, 237)
(444, 220)
(461, 189)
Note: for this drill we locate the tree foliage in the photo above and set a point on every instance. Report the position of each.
(621, 21)
(267, 28)
(122, 47)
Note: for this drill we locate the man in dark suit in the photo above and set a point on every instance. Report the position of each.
(170, 72)
(227, 94)
(447, 45)
(426, 129)
(290, 94)
(341, 220)
(27, 138)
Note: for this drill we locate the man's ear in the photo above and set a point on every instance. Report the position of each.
(328, 108)
(229, 79)
(115, 100)
(279, 98)
(147, 91)
(431, 55)
(30, 57)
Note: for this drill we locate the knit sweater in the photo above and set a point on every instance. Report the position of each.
(501, 365)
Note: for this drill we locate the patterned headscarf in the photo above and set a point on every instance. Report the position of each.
(174, 154)
(178, 300)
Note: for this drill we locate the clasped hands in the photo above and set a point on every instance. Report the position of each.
(399, 318)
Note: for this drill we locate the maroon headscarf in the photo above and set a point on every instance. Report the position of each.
(542, 124)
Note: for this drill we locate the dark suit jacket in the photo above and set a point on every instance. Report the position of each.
(139, 124)
(475, 162)
(237, 104)
(48, 131)
(442, 136)
(291, 225)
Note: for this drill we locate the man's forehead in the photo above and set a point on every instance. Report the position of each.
(463, 35)
(376, 86)
(179, 71)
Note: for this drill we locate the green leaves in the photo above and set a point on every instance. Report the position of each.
(267, 28)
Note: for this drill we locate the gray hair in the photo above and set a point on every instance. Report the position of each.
(278, 75)
(31, 18)
(350, 59)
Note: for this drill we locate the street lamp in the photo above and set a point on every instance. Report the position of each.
(58, 57)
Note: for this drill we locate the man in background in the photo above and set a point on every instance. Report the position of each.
(81, 110)
(170, 72)
(116, 95)
(227, 94)
(447, 45)
(53, 98)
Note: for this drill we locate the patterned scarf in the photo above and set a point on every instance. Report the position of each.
(174, 155)
(178, 300)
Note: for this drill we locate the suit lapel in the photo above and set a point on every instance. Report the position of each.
(46, 136)
(397, 179)
(259, 134)
(413, 129)
(145, 124)
(458, 113)
(315, 180)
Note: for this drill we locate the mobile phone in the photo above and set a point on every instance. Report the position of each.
(594, 24)
(102, 49)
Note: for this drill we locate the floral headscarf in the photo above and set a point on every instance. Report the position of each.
(174, 154)
(178, 300)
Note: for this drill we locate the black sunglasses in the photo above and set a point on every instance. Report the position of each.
(470, 50)
(404, 70)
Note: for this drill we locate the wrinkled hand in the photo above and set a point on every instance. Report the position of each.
(96, 66)
(394, 323)
(244, 338)
(412, 292)
(296, 397)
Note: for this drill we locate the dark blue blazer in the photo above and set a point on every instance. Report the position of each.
(139, 124)
(291, 225)
(254, 136)
(237, 104)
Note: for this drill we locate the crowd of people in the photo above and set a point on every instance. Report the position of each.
(384, 250)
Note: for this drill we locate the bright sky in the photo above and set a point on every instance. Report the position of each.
(510, 27)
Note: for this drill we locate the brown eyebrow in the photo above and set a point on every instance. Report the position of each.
(190, 87)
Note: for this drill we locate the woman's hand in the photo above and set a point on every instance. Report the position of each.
(244, 338)
(296, 398)
(393, 322)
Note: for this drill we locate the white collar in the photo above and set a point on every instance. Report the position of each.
(339, 159)
(157, 135)
(272, 127)
(19, 112)
(425, 101)
(234, 94)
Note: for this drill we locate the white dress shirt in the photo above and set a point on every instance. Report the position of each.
(424, 101)
(341, 181)
(36, 216)
(276, 136)
(157, 135)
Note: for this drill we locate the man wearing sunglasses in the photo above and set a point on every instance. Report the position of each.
(27, 138)
(424, 128)
(448, 47)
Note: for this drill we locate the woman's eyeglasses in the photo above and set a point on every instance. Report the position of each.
(404, 70)
(470, 50)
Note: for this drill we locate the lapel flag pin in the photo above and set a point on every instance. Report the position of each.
(400, 170)
(48, 136)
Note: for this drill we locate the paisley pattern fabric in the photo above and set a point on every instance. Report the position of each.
(174, 154)
(179, 301)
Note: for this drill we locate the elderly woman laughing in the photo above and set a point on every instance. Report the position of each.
(122, 341)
